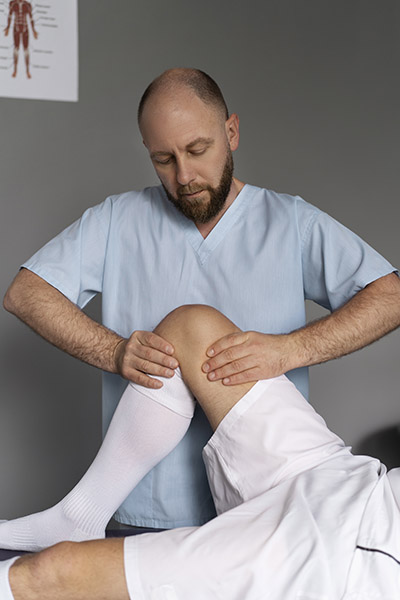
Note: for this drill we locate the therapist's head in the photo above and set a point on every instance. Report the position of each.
(190, 137)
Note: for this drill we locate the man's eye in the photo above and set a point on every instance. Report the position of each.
(198, 152)
(164, 161)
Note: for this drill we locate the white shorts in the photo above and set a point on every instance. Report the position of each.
(290, 498)
(375, 569)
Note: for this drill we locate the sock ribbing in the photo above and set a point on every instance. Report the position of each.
(146, 426)
(89, 517)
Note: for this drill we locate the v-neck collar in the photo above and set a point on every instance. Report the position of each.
(205, 246)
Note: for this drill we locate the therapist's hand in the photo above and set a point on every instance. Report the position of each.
(247, 356)
(145, 353)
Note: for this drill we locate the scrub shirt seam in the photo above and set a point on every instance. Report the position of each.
(307, 233)
(106, 235)
(111, 201)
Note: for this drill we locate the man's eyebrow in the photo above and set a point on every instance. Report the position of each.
(200, 140)
(160, 153)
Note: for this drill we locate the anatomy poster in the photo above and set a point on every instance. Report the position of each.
(39, 49)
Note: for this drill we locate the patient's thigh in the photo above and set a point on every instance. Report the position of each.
(269, 547)
(72, 571)
(271, 435)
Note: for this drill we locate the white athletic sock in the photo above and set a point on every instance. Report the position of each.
(5, 589)
(146, 426)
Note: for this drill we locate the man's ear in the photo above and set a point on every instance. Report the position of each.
(232, 131)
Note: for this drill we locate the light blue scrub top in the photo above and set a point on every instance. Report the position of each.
(267, 253)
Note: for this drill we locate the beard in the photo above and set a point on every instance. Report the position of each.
(197, 209)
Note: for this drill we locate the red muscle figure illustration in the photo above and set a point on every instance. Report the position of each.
(21, 9)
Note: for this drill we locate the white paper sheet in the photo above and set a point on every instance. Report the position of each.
(47, 57)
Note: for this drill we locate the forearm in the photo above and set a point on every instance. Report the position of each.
(370, 314)
(60, 322)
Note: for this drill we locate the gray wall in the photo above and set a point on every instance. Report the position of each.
(316, 85)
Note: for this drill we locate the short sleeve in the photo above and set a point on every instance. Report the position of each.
(73, 261)
(336, 262)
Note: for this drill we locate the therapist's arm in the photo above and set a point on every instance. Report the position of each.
(63, 324)
(250, 356)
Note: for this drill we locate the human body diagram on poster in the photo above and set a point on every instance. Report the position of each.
(23, 18)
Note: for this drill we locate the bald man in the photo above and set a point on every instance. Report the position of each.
(202, 236)
(298, 515)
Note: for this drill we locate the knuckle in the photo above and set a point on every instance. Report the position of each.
(145, 366)
(220, 373)
(230, 354)
(148, 337)
(139, 378)
(153, 339)
(236, 365)
(147, 353)
(131, 347)
(143, 380)
(212, 364)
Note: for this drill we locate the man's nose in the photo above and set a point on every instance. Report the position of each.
(184, 171)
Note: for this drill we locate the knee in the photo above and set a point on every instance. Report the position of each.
(194, 324)
(193, 314)
(190, 318)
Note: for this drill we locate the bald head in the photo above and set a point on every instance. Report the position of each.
(192, 80)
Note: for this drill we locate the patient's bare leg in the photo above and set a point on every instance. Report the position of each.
(146, 426)
(71, 571)
(95, 570)
(191, 329)
(284, 426)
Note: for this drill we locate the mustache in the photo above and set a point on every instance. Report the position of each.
(189, 189)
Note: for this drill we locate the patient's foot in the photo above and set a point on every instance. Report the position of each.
(69, 520)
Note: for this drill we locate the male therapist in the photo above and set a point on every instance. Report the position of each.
(202, 236)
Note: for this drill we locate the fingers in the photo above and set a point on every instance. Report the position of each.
(144, 354)
(233, 339)
(152, 340)
(235, 365)
(229, 355)
(142, 379)
(149, 353)
(247, 376)
(243, 357)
